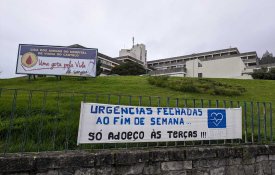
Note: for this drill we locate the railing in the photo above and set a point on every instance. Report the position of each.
(251, 60)
(169, 71)
(37, 120)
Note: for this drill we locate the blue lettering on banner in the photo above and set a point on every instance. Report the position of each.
(216, 118)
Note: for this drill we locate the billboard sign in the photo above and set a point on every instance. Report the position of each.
(56, 60)
(104, 123)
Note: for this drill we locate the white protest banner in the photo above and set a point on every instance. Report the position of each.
(103, 123)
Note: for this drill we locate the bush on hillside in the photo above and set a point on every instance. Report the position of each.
(226, 91)
(196, 85)
(183, 86)
(159, 81)
(98, 67)
(128, 68)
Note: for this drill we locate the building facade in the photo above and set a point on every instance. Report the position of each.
(137, 53)
(107, 63)
(228, 67)
(225, 63)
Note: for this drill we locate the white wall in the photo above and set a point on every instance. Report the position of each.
(138, 52)
(192, 68)
(232, 67)
(126, 52)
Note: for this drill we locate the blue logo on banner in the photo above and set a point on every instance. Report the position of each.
(216, 118)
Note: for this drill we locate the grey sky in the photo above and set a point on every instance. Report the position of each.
(167, 27)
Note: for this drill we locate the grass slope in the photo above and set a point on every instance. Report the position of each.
(257, 90)
(49, 121)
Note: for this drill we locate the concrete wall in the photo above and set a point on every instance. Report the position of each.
(127, 52)
(138, 52)
(232, 67)
(192, 68)
(252, 159)
(223, 68)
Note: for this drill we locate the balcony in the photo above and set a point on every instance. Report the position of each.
(179, 70)
(169, 65)
(251, 60)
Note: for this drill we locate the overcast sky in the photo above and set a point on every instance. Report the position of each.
(167, 27)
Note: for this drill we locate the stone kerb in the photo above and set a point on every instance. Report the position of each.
(244, 159)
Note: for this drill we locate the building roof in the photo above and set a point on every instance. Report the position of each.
(196, 54)
(222, 57)
(130, 57)
(76, 46)
(109, 58)
(230, 56)
(248, 53)
(98, 54)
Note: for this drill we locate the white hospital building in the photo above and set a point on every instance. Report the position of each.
(225, 63)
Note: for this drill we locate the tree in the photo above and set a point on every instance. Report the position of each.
(260, 73)
(272, 73)
(263, 73)
(267, 58)
(98, 67)
(128, 68)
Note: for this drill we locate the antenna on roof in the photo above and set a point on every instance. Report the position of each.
(133, 41)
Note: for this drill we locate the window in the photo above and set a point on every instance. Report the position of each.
(252, 64)
(199, 65)
(200, 75)
(251, 57)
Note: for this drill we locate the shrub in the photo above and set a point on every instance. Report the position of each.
(196, 85)
(183, 86)
(263, 73)
(99, 70)
(227, 92)
(159, 81)
(129, 68)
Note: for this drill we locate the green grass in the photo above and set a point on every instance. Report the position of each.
(49, 121)
(200, 85)
(257, 90)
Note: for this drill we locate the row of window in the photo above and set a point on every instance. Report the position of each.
(187, 59)
(248, 57)
(251, 64)
(107, 62)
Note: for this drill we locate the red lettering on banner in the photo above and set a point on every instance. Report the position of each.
(80, 65)
(57, 64)
(41, 63)
(69, 65)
